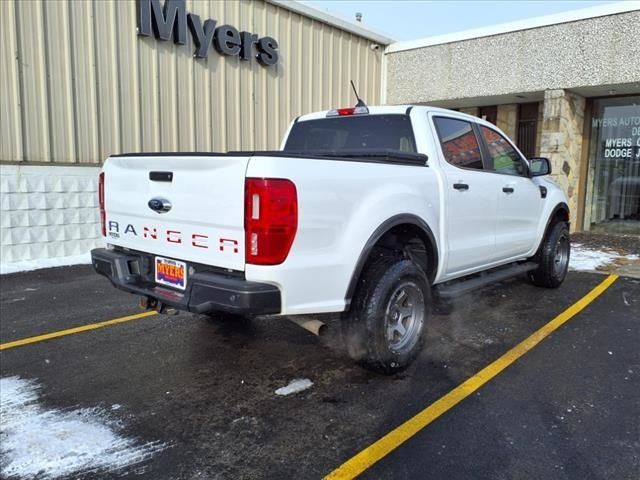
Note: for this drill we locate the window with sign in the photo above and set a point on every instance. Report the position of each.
(613, 187)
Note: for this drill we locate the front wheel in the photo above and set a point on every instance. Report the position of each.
(384, 330)
(552, 257)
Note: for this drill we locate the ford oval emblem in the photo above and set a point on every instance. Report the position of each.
(159, 205)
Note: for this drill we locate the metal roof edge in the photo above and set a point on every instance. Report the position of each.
(530, 23)
(317, 14)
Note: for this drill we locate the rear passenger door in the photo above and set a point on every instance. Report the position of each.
(470, 198)
(518, 199)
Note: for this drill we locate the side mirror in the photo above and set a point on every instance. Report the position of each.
(539, 166)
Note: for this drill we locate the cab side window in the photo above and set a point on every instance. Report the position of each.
(459, 143)
(503, 158)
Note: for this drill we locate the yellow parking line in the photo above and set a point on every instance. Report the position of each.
(71, 331)
(392, 440)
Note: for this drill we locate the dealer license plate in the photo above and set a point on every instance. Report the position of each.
(172, 273)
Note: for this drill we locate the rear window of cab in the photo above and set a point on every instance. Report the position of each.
(354, 132)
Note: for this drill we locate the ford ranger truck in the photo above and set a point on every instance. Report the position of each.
(368, 211)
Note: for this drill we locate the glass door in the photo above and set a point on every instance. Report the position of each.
(613, 190)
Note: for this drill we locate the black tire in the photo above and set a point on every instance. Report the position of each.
(393, 294)
(552, 257)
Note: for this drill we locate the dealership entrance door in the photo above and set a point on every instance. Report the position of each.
(613, 189)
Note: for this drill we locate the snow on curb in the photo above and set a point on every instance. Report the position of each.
(41, 443)
(29, 265)
(587, 259)
(295, 386)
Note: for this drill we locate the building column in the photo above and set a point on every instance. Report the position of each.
(561, 142)
(508, 119)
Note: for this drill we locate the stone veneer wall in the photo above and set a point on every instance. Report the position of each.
(507, 119)
(561, 141)
(47, 212)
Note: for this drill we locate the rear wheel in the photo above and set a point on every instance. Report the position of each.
(384, 330)
(552, 257)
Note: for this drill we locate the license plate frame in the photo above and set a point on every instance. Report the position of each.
(172, 273)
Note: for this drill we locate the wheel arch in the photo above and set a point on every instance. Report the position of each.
(398, 223)
(559, 212)
(562, 211)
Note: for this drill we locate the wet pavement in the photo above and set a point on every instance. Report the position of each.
(205, 387)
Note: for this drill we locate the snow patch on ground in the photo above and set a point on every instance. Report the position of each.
(28, 265)
(295, 386)
(587, 259)
(41, 443)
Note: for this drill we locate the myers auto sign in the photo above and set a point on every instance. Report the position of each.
(173, 19)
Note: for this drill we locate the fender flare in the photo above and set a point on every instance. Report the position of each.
(556, 209)
(377, 235)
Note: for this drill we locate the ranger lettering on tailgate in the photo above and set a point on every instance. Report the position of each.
(172, 236)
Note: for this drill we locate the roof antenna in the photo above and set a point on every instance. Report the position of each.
(360, 102)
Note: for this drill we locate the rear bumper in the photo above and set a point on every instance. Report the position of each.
(206, 291)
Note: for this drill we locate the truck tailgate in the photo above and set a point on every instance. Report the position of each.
(205, 221)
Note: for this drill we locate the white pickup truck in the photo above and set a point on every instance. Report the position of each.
(369, 211)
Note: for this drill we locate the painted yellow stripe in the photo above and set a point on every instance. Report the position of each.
(72, 331)
(392, 440)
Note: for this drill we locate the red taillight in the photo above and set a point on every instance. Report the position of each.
(103, 225)
(270, 219)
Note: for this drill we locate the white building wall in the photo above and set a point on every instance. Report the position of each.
(582, 53)
(47, 212)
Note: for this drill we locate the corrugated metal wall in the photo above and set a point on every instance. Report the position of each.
(78, 83)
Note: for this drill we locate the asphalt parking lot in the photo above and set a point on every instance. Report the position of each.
(202, 390)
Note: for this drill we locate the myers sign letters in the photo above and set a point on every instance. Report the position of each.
(173, 19)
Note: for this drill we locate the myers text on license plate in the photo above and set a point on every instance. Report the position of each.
(171, 272)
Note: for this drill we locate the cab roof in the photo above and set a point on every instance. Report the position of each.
(393, 109)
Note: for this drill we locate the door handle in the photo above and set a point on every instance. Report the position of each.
(461, 186)
(508, 189)
(161, 176)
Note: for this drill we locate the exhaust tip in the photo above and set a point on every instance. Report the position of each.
(322, 329)
(314, 326)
